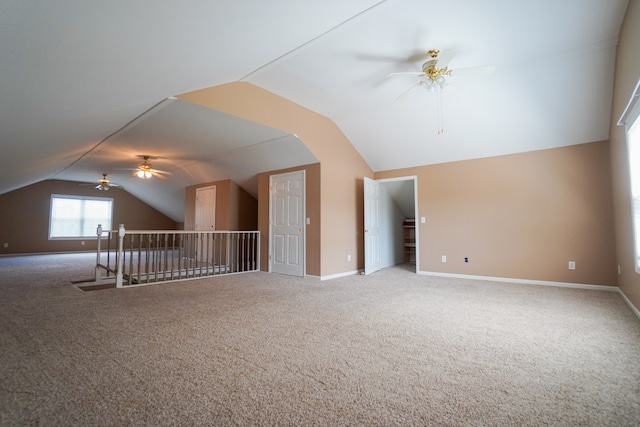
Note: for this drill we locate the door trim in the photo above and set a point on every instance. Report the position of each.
(413, 178)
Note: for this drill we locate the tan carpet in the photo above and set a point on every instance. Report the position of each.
(393, 348)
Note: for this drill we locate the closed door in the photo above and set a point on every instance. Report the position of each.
(287, 223)
(205, 221)
(206, 208)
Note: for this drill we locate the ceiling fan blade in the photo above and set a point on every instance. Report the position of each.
(409, 91)
(408, 73)
(157, 174)
(160, 171)
(489, 69)
(444, 57)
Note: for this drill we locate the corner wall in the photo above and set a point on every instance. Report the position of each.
(627, 73)
(236, 209)
(519, 216)
(341, 166)
(25, 217)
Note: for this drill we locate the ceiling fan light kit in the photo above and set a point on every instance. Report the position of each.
(435, 76)
(145, 170)
(143, 173)
(434, 79)
(104, 184)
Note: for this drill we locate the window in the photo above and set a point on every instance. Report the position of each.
(633, 141)
(78, 216)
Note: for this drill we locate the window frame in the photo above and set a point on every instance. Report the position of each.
(632, 135)
(83, 198)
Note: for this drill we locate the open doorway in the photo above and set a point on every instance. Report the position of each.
(393, 212)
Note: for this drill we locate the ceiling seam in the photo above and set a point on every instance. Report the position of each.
(307, 43)
(111, 135)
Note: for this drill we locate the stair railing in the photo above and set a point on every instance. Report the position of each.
(144, 257)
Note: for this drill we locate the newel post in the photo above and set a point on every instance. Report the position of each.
(98, 275)
(121, 233)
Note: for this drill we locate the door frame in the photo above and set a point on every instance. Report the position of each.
(413, 178)
(303, 213)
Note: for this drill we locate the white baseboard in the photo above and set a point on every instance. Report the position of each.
(335, 276)
(606, 288)
(524, 281)
(48, 253)
(629, 303)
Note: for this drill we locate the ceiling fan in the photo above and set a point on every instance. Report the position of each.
(104, 184)
(145, 170)
(435, 71)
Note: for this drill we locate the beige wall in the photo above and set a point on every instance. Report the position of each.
(25, 217)
(627, 73)
(519, 216)
(243, 209)
(341, 166)
(235, 208)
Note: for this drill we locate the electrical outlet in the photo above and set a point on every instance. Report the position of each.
(6, 245)
(444, 258)
(572, 265)
(466, 259)
(82, 243)
(349, 257)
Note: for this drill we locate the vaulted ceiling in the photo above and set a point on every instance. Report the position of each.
(87, 87)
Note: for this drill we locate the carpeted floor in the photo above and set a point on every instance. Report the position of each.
(393, 348)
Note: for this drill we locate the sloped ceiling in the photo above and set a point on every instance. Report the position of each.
(194, 145)
(86, 87)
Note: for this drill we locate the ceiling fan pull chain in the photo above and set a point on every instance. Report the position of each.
(440, 111)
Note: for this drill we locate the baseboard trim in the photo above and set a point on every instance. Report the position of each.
(605, 288)
(47, 253)
(525, 281)
(629, 303)
(335, 276)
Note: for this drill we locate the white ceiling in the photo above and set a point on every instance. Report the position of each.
(85, 87)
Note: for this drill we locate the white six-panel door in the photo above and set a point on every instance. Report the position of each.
(205, 220)
(205, 208)
(287, 223)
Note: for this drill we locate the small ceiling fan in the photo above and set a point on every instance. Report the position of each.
(435, 71)
(104, 184)
(145, 170)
